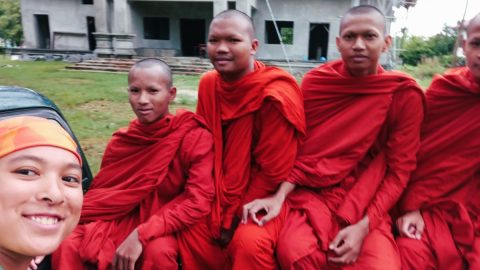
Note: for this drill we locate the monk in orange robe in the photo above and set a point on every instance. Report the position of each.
(154, 182)
(440, 226)
(363, 133)
(256, 117)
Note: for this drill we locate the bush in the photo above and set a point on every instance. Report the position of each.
(425, 69)
(417, 49)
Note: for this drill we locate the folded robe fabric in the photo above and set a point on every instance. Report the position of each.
(357, 157)
(235, 104)
(446, 184)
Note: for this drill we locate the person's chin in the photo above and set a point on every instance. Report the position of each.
(41, 245)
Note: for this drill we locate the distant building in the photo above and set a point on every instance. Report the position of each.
(123, 28)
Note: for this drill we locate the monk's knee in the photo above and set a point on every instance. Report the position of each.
(251, 242)
(379, 251)
(415, 254)
(285, 256)
(313, 261)
(294, 254)
(66, 254)
(161, 253)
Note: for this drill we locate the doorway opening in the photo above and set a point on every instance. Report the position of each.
(43, 31)
(92, 43)
(318, 44)
(192, 37)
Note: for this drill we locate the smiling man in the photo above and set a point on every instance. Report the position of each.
(440, 225)
(256, 117)
(363, 133)
(155, 181)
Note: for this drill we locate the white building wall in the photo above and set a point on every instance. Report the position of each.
(302, 13)
(68, 26)
(67, 20)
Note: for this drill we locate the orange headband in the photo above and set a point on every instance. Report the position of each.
(21, 132)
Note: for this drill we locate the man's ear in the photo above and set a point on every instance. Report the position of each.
(387, 44)
(254, 48)
(173, 93)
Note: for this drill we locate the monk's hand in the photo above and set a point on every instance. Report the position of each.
(128, 252)
(411, 225)
(348, 242)
(271, 206)
(35, 262)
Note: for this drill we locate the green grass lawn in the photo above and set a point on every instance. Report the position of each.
(95, 104)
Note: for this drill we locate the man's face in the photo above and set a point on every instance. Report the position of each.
(231, 47)
(40, 200)
(362, 42)
(150, 93)
(471, 48)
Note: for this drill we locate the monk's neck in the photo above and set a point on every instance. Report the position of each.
(239, 75)
(359, 73)
(10, 261)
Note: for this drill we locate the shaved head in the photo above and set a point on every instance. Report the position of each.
(471, 47)
(362, 10)
(154, 63)
(473, 23)
(235, 14)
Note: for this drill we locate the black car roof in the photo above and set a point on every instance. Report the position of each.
(17, 98)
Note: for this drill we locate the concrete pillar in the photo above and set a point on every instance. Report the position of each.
(123, 45)
(102, 35)
(104, 44)
(244, 6)
(122, 18)
(101, 24)
(219, 6)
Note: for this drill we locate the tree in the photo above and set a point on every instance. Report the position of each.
(11, 21)
(415, 48)
(442, 44)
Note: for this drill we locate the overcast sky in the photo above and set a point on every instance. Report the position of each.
(428, 16)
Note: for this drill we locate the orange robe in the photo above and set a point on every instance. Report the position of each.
(256, 123)
(362, 138)
(446, 184)
(156, 178)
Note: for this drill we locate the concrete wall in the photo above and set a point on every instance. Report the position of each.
(67, 20)
(68, 27)
(172, 10)
(302, 13)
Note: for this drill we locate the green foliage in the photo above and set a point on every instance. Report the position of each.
(425, 70)
(287, 35)
(415, 48)
(11, 21)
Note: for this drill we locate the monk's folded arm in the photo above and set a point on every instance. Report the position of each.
(275, 153)
(401, 149)
(195, 202)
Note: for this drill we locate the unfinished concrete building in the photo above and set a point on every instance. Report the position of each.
(124, 28)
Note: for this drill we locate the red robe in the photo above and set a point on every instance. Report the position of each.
(362, 139)
(156, 178)
(248, 165)
(446, 184)
(256, 123)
